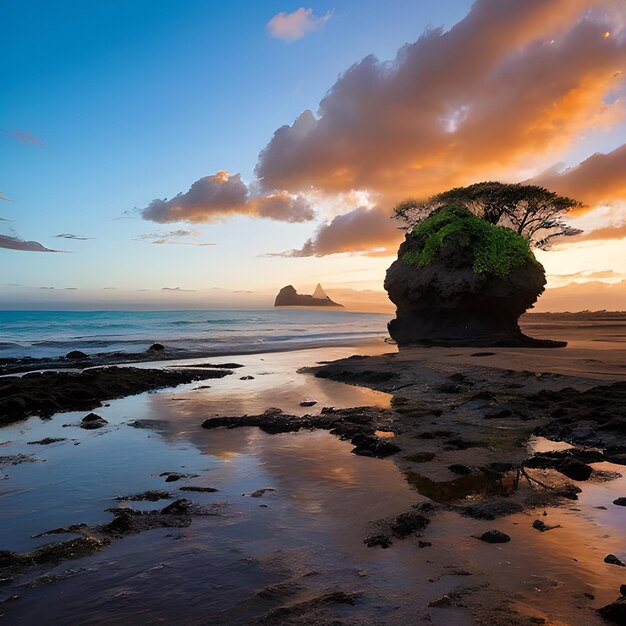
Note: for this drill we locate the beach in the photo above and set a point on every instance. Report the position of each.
(174, 519)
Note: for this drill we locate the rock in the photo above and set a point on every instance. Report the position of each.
(382, 541)
(178, 507)
(146, 496)
(620, 502)
(308, 403)
(156, 347)
(424, 544)
(92, 421)
(611, 559)
(247, 378)
(259, 493)
(622, 590)
(575, 470)
(288, 296)
(457, 468)
(446, 294)
(439, 602)
(495, 536)
(492, 508)
(171, 477)
(614, 612)
(198, 489)
(406, 524)
(542, 526)
(46, 441)
(371, 445)
(76, 354)
(47, 393)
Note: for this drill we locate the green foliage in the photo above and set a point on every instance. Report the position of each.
(496, 250)
(531, 211)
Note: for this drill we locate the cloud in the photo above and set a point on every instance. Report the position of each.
(173, 289)
(223, 195)
(3, 197)
(199, 244)
(599, 179)
(587, 274)
(369, 231)
(169, 233)
(513, 82)
(21, 136)
(15, 243)
(295, 25)
(72, 236)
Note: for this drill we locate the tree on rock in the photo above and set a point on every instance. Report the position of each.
(533, 212)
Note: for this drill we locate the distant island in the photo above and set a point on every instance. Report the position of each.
(288, 296)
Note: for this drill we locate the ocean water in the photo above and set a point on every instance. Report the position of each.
(54, 333)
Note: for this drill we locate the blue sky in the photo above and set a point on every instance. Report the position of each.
(137, 100)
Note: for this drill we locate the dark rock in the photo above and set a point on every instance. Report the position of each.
(575, 470)
(406, 524)
(156, 347)
(288, 296)
(492, 508)
(46, 393)
(620, 502)
(308, 403)
(614, 612)
(371, 445)
(497, 414)
(93, 421)
(382, 541)
(146, 496)
(178, 507)
(46, 441)
(495, 536)
(198, 489)
(542, 526)
(445, 302)
(439, 602)
(611, 559)
(247, 378)
(457, 468)
(424, 544)
(76, 354)
(259, 493)
(622, 590)
(571, 463)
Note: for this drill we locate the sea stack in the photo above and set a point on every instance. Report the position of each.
(288, 296)
(460, 281)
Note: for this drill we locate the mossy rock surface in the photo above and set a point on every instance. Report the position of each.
(496, 250)
(459, 280)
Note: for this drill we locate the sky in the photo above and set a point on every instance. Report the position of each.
(205, 154)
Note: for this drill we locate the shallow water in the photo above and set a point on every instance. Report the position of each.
(54, 333)
(308, 533)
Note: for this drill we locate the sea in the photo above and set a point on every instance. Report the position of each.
(218, 332)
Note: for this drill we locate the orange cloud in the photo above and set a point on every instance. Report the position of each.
(600, 178)
(513, 81)
(222, 195)
(368, 231)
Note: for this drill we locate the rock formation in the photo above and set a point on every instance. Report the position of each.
(458, 280)
(288, 296)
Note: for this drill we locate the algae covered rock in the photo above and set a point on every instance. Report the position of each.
(459, 280)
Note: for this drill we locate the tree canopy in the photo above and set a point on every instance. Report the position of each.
(531, 211)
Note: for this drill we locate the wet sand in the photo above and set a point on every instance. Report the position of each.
(296, 553)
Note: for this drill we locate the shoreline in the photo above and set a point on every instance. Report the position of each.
(441, 407)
